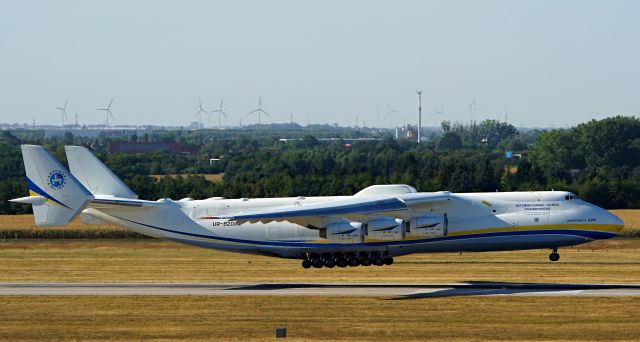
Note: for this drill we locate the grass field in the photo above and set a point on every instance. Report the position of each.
(631, 218)
(610, 261)
(26, 222)
(192, 318)
(211, 177)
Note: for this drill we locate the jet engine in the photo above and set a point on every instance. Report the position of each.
(385, 229)
(344, 232)
(428, 226)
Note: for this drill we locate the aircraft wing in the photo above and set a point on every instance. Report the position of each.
(357, 209)
(342, 208)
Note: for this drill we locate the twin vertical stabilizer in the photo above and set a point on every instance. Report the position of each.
(55, 194)
(94, 175)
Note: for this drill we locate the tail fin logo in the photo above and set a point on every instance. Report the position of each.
(57, 179)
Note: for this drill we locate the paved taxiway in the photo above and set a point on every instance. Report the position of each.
(399, 291)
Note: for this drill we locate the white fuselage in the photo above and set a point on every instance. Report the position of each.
(472, 222)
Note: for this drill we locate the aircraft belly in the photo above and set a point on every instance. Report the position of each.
(288, 249)
(492, 243)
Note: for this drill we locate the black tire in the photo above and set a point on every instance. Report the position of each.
(330, 263)
(377, 261)
(318, 263)
(554, 257)
(353, 262)
(306, 263)
(342, 262)
(365, 262)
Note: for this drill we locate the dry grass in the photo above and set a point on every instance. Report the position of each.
(610, 261)
(631, 218)
(211, 177)
(191, 318)
(194, 318)
(26, 222)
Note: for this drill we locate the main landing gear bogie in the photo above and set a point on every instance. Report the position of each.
(554, 256)
(342, 260)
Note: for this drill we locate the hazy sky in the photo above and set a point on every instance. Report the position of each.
(539, 62)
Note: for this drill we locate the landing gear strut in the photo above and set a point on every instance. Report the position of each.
(554, 256)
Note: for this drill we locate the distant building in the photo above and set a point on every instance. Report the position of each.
(196, 125)
(146, 147)
(93, 132)
(406, 132)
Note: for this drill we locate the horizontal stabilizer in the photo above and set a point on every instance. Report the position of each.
(34, 200)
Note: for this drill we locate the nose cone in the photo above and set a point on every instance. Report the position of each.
(612, 221)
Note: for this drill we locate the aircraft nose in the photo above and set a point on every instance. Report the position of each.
(613, 220)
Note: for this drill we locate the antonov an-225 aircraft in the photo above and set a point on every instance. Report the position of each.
(370, 227)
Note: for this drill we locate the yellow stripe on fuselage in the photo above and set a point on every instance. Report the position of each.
(611, 228)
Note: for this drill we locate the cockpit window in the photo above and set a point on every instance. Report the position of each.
(571, 197)
(566, 198)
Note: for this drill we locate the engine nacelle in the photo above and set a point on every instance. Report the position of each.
(344, 232)
(385, 229)
(428, 226)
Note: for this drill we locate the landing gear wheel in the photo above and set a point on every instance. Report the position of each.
(554, 256)
(341, 262)
(388, 261)
(353, 262)
(306, 263)
(377, 261)
(318, 263)
(365, 262)
(330, 263)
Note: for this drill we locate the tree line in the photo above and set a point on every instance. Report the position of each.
(599, 160)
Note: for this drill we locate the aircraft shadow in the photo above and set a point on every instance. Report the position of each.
(515, 262)
(486, 288)
(469, 288)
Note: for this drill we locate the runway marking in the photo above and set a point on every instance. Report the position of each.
(392, 290)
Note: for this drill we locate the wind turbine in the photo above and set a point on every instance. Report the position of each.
(438, 112)
(259, 110)
(472, 108)
(389, 112)
(220, 112)
(199, 112)
(108, 111)
(63, 115)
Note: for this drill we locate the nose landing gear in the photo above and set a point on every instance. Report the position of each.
(554, 256)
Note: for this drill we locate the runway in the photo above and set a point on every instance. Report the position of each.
(395, 291)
